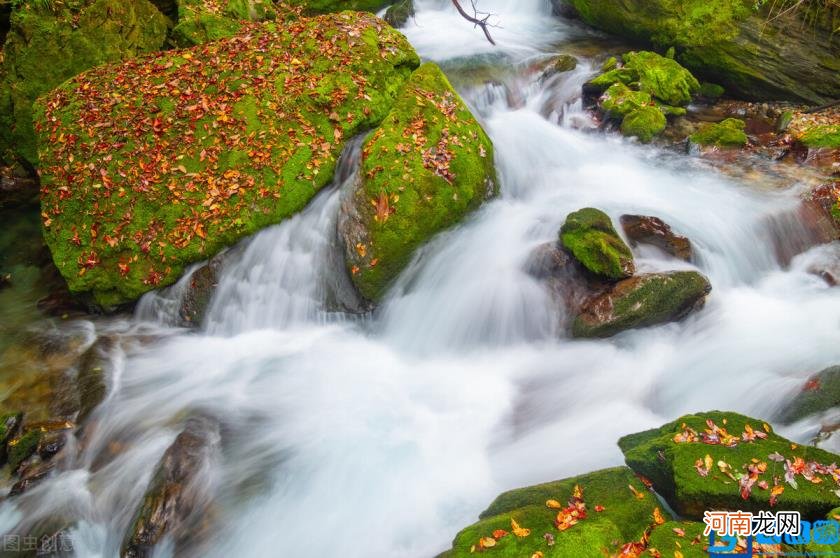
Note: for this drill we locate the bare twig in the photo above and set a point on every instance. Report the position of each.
(476, 19)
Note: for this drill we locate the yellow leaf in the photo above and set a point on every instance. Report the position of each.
(657, 516)
(708, 462)
(517, 530)
(553, 504)
(486, 542)
(578, 493)
(537, 554)
(678, 554)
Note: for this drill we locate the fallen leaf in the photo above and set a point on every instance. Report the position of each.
(517, 530)
(553, 504)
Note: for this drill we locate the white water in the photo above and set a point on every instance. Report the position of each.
(383, 437)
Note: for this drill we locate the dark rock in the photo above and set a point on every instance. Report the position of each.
(819, 394)
(641, 301)
(563, 275)
(642, 229)
(561, 64)
(175, 499)
(18, 186)
(199, 293)
(399, 12)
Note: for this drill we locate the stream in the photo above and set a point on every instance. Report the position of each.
(384, 435)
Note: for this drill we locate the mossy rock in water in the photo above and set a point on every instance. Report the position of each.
(327, 6)
(661, 77)
(819, 394)
(162, 161)
(711, 91)
(427, 166)
(825, 136)
(201, 21)
(619, 100)
(743, 454)
(399, 13)
(591, 238)
(641, 301)
(644, 123)
(625, 514)
(44, 48)
(727, 133)
(790, 54)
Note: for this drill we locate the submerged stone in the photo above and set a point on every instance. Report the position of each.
(589, 235)
(819, 394)
(644, 229)
(427, 166)
(163, 161)
(616, 509)
(746, 461)
(641, 301)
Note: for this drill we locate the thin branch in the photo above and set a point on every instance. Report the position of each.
(476, 19)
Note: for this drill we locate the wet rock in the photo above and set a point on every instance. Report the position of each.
(673, 458)
(609, 515)
(589, 235)
(563, 275)
(644, 124)
(819, 394)
(727, 133)
(664, 79)
(18, 186)
(643, 229)
(561, 64)
(641, 301)
(199, 293)
(386, 217)
(399, 13)
(9, 426)
(175, 500)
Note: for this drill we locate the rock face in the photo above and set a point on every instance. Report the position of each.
(591, 516)
(641, 301)
(165, 160)
(643, 229)
(727, 133)
(726, 461)
(201, 21)
(819, 394)
(44, 48)
(175, 499)
(589, 235)
(427, 166)
(750, 51)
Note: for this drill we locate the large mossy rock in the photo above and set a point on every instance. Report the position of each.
(327, 6)
(44, 48)
(591, 238)
(150, 165)
(618, 510)
(641, 301)
(427, 166)
(726, 133)
(201, 21)
(746, 462)
(819, 394)
(795, 56)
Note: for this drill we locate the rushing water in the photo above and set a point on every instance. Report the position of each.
(384, 436)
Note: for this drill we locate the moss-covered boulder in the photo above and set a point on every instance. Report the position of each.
(727, 461)
(819, 394)
(644, 123)
(427, 166)
(641, 301)
(399, 13)
(328, 6)
(200, 21)
(760, 50)
(150, 165)
(45, 47)
(591, 516)
(619, 100)
(824, 136)
(726, 133)
(590, 236)
(661, 77)
(677, 538)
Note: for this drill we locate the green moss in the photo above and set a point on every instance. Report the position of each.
(671, 467)
(609, 64)
(8, 425)
(711, 90)
(201, 21)
(727, 133)
(822, 136)
(427, 166)
(624, 518)
(252, 129)
(590, 236)
(327, 6)
(678, 536)
(642, 301)
(644, 123)
(22, 447)
(44, 49)
(662, 77)
(821, 394)
(564, 63)
(399, 13)
(619, 100)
